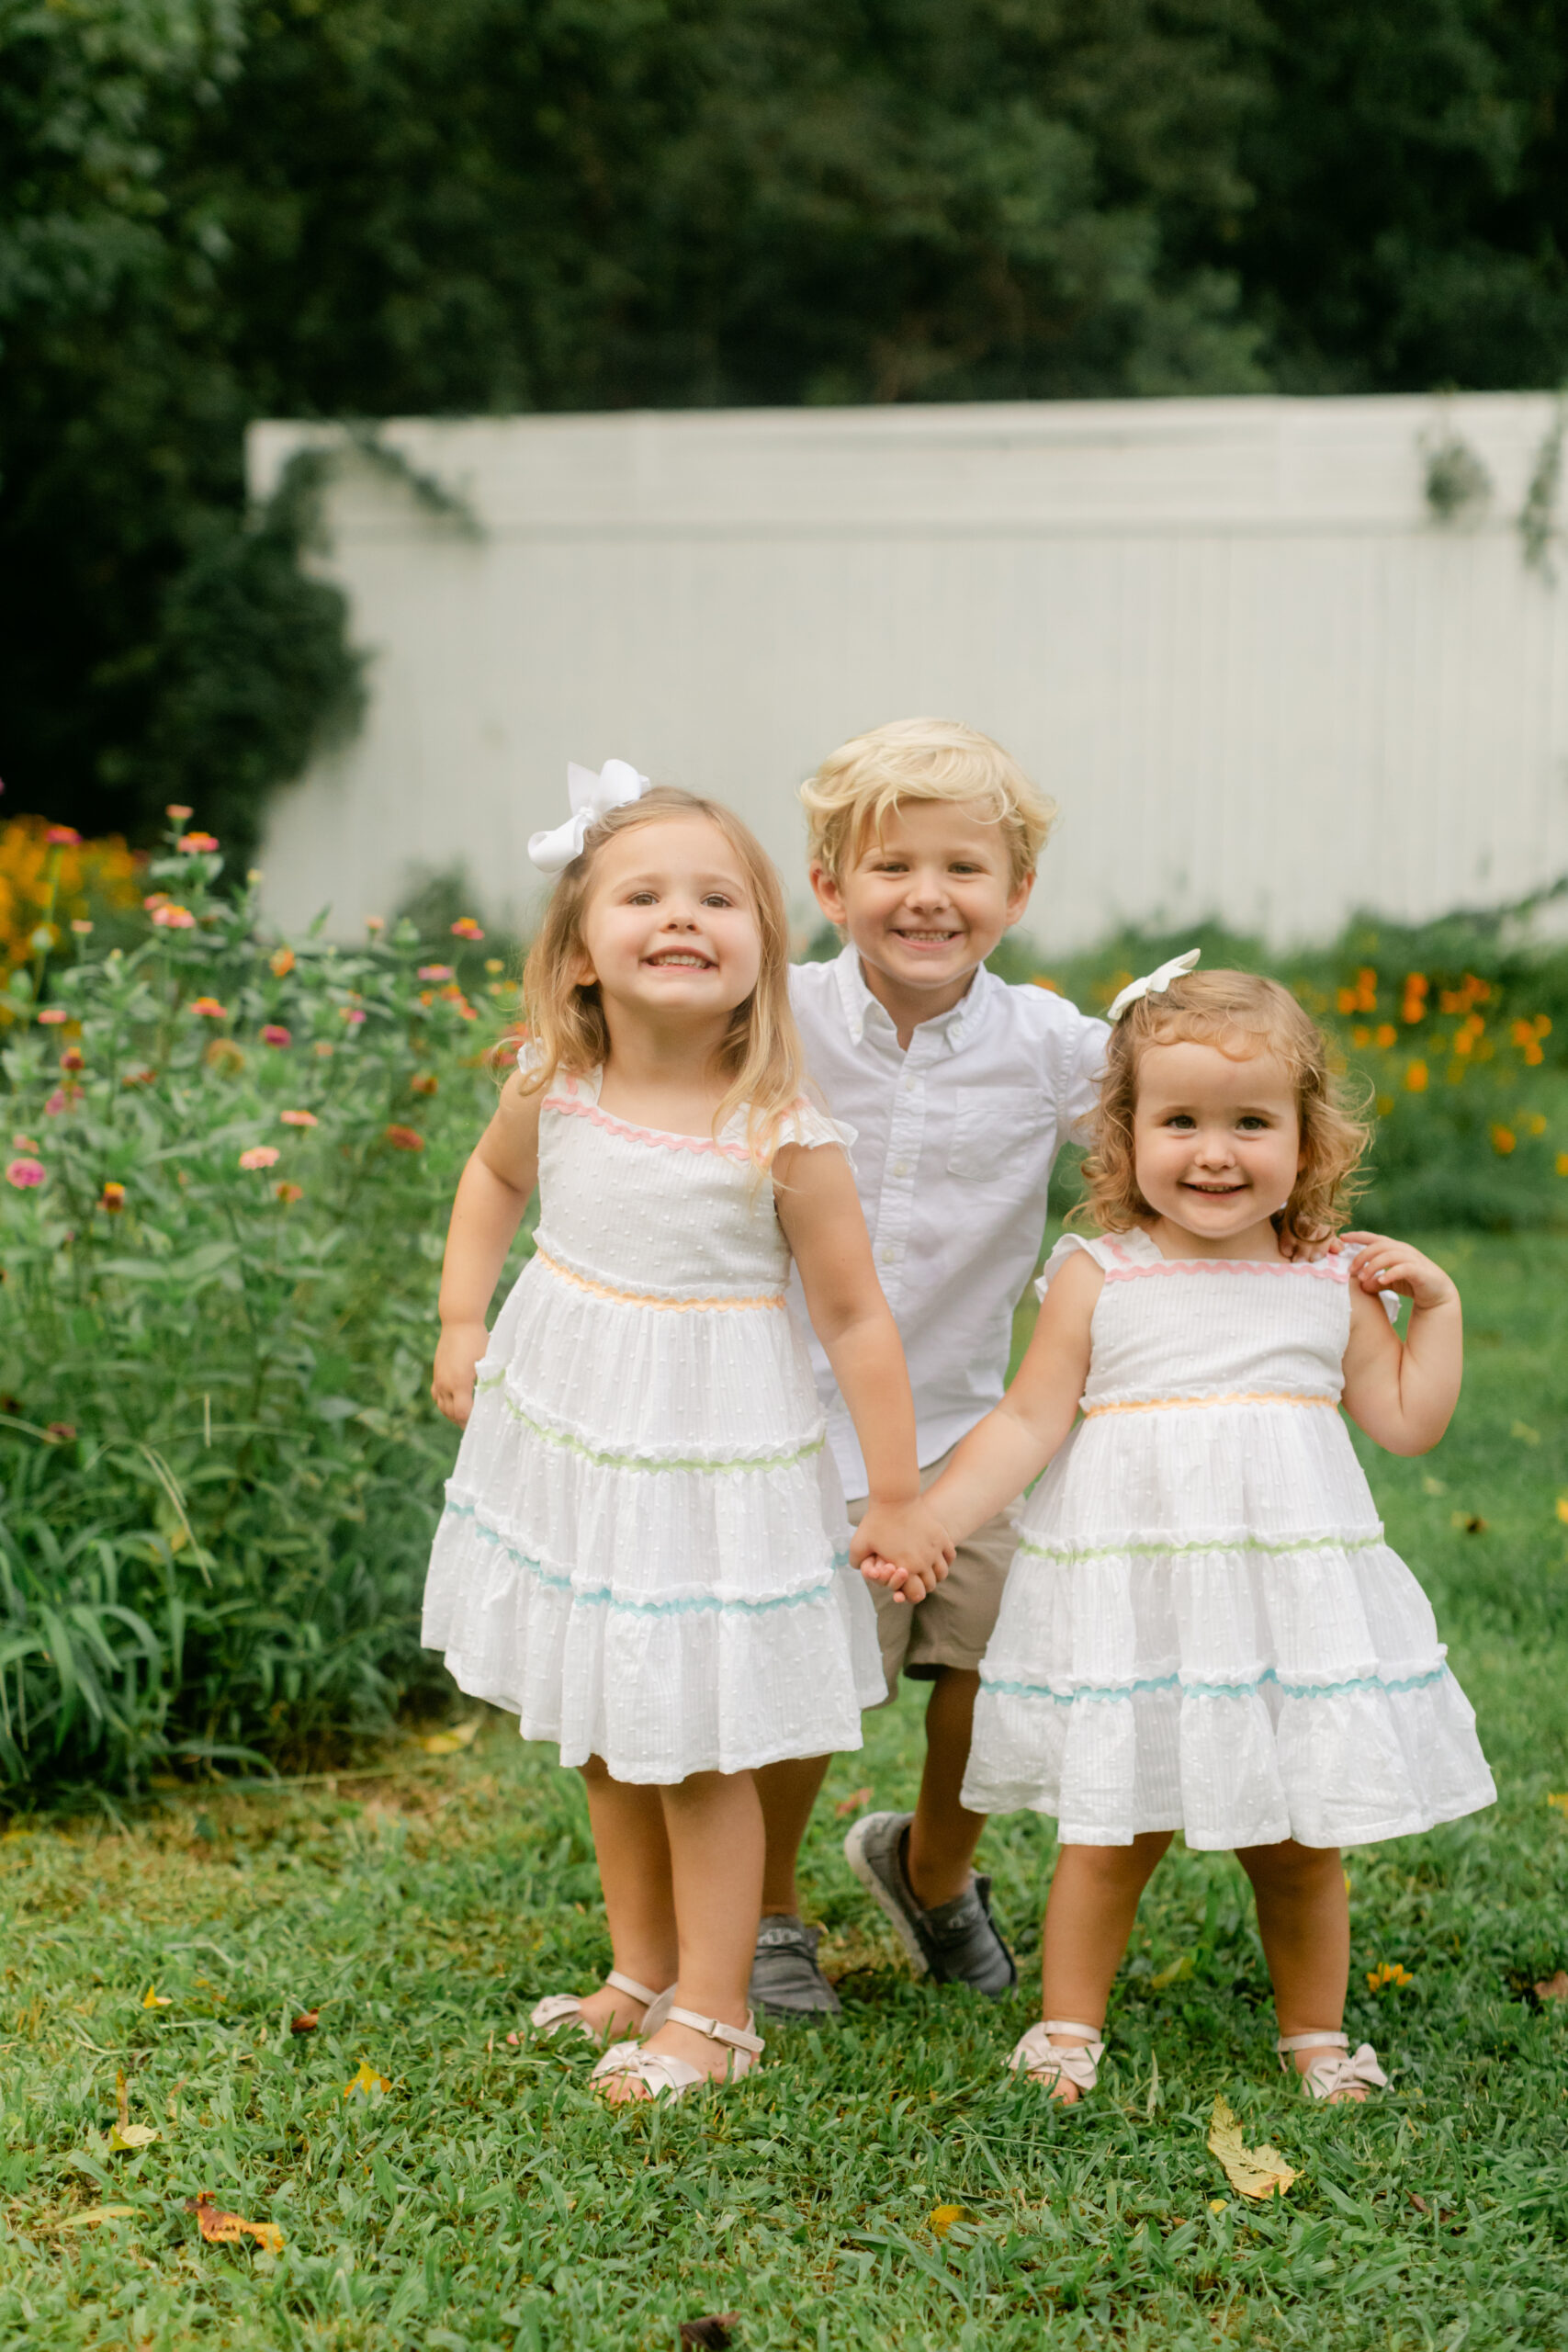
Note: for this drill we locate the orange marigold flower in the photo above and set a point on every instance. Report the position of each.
(1360, 1036)
(195, 844)
(1535, 1124)
(1533, 1054)
(424, 1081)
(112, 1198)
(1415, 1079)
(140, 1076)
(260, 1155)
(1563, 1163)
(288, 1193)
(467, 928)
(209, 1009)
(404, 1139)
(1345, 1000)
(299, 1118)
(1387, 1034)
(281, 962)
(62, 837)
(1503, 1141)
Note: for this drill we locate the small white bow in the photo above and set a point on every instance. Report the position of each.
(1153, 983)
(616, 782)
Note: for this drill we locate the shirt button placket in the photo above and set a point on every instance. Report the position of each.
(895, 1201)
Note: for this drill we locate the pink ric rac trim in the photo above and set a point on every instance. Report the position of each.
(1323, 1270)
(654, 1136)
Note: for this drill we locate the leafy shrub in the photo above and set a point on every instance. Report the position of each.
(226, 1186)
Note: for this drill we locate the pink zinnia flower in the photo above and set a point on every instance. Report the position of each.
(374, 922)
(62, 1099)
(52, 1015)
(25, 1174)
(323, 1048)
(353, 1015)
(27, 1143)
(209, 1009)
(171, 918)
(299, 1118)
(62, 837)
(176, 812)
(260, 1155)
(288, 1193)
(435, 971)
(81, 926)
(275, 1034)
(466, 928)
(404, 1139)
(193, 843)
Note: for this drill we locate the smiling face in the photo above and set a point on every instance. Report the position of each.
(1216, 1143)
(925, 901)
(669, 927)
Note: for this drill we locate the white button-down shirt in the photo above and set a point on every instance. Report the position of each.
(954, 1144)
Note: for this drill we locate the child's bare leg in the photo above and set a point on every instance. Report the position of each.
(1088, 1917)
(943, 1833)
(1304, 1917)
(634, 1870)
(713, 1825)
(787, 1793)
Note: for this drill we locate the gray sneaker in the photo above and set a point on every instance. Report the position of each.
(785, 1979)
(955, 1943)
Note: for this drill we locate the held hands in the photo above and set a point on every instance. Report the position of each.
(1382, 1264)
(458, 1354)
(904, 1545)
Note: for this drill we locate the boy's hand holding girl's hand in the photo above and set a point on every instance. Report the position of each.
(1380, 1263)
(904, 1545)
(457, 1356)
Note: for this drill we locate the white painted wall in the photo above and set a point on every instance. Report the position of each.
(1226, 634)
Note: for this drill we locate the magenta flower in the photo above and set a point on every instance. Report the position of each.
(353, 1015)
(62, 837)
(25, 1174)
(435, 971)
(275, 1034)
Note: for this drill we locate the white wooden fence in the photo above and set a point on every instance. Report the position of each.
(1230, 636)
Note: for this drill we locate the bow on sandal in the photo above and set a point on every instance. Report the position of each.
(1328, 2076)
(629, 2061)
(1037, 2056)
(548, 2015)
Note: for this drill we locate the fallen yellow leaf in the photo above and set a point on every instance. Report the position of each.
(1218, 2204)
(153, 1999)
(448, 1743)
(132, 2135)
(946, 2217)
(1523, 1431)
(95, 2213)
(1559, 1798)
(1255, 2172)
(220, 2228)
(1562, 1508)
(367, 2084)
(1171, 1975)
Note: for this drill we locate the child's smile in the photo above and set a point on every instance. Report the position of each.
(1216, 1141)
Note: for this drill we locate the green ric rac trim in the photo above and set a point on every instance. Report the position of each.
(1213, 1689)
(1207, 1544)
(602, 1596)
(636, 1462)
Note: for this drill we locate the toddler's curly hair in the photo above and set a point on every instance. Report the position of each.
(1242, 1015)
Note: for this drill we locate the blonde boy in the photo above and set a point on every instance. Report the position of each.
(924, 840)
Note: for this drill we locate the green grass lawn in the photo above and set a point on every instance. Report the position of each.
(485, 2199)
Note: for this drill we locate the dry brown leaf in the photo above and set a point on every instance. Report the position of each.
(448, 1743)
(1553, 1988)
(306, 2022)
(856, 1800)
(1254, 2172)
(95, 2214)
(220, 2228)
(715, 2329)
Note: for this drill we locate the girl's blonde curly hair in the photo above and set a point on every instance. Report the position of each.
(760, 1054)
(1242, 1015)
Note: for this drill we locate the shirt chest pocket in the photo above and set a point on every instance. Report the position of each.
(1002, 1134)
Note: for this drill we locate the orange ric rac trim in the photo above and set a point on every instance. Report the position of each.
(641, 1298)
(1239, 1397)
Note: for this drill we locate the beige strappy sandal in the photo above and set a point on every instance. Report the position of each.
(557, 2009)
(1330, 2077)
(629, 2061)
(1037, 2056)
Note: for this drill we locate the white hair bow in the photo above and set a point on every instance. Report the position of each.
(1153, 983)
(616, 782)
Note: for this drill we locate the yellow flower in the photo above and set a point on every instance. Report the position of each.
(1387, 1972)
(1503, 1141)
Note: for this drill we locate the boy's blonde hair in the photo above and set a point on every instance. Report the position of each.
(855, 788)
(761, 1053)
(1242, 1015)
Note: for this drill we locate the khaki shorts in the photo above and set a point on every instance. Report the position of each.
(952, 1625)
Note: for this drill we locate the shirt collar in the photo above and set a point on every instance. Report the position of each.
(948, 1029)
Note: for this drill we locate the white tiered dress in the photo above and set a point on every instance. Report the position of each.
(1203, 1629)
(644, 1553)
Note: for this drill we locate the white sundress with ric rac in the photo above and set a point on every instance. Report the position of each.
(645, 1554)
(1203, 1629)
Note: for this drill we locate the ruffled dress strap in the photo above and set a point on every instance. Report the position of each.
(1108, 1250)
(804, 1124)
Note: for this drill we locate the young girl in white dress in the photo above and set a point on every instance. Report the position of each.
(644, 1552)
(1203, 1629)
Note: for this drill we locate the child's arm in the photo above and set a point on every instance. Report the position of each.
(492, 1194)
(1402, 1394)
(820, 1212)
(1015, 1440)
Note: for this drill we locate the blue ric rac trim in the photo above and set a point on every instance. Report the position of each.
(1214, 1690)
(602, 1596)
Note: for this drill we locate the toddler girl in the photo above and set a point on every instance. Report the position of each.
(1203, 1629)
(644, 1552)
